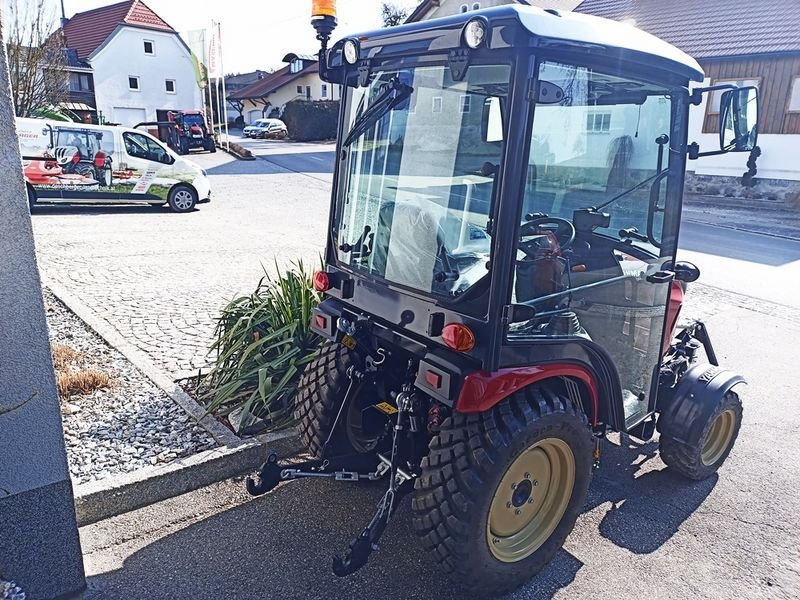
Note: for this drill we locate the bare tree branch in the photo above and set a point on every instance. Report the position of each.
(36, 57)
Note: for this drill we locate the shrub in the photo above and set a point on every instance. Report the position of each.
(263, 341)
(83, 381)
(309, 121)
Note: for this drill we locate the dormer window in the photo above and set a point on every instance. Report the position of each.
(476, 6)
(149, 47)
(464, 8)
(296, 66)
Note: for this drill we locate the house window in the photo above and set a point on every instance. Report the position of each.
(324, 91)
(299, 89)
(466, 103)
(133, 83)
(716, 96)
(598, 122)
(296, 66)
(437, 104)
(464, 8)
(476, 6)
(149, 47)
(170, 86)
(794, 99)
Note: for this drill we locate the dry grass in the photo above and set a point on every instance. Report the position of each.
(64, 356)
(72, 377)
(85, 381)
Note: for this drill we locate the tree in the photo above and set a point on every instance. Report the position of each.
(392, 14)
(36, 56)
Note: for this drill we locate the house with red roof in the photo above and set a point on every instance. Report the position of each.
(267, 96)
(133, 62)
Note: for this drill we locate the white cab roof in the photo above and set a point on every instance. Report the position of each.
(588, 29)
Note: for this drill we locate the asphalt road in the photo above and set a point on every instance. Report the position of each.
(644, 531)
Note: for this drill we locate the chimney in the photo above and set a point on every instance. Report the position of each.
(64, 19)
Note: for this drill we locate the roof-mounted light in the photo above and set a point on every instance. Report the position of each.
(323, 8)
(350, 52)
(475, 33)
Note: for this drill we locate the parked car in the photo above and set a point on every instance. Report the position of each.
(72, 162)
(273, 129)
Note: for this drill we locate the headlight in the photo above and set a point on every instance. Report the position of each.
(475, 33)
(350, 52)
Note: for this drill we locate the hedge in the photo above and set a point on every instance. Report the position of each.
(309, 121)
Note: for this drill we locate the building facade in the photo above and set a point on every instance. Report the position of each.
(140, 67)
(298, 80)
(432, 9)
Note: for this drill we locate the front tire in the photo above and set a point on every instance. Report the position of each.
(501, 490)
(702, 455)
(182, 199)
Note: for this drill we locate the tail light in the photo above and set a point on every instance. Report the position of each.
(322, 283)
(100, 160)
(458, 337)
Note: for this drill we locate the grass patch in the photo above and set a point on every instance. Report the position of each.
(73, 378)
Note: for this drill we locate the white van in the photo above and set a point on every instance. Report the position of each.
(73, 162)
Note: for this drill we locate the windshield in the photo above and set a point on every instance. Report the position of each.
(420, 173)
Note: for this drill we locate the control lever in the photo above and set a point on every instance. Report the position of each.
(633, 233)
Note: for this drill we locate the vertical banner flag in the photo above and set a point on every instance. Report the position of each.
(196, 41)
(214, 70)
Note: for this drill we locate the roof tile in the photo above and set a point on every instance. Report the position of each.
(711, 28)
(86, 31)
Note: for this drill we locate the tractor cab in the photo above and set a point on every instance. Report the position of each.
(503, 230)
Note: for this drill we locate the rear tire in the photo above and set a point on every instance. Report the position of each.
(182, 199)
(701, 457)
(472, 475)
(320, 394)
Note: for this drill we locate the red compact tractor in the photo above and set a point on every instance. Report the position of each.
(501, 287)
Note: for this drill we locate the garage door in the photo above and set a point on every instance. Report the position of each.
(252, 116)
(129, 116)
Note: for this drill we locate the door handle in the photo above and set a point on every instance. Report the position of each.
(661, 277)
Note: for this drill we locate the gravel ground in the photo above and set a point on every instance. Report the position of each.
(128, 426)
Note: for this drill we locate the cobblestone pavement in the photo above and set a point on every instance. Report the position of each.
(160, 278)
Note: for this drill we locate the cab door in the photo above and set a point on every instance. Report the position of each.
(145, 161)
(592, 256)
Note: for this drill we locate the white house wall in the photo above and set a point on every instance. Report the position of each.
(779, 152)
(123, 56)
(453, 7)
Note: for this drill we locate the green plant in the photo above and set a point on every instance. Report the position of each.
(263, 341)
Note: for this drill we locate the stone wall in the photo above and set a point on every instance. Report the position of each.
(774, 190)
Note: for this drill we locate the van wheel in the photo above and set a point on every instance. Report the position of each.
(31, 197)
(105, 177)
(182, 198)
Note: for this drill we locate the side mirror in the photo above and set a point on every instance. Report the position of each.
(686, 271)
(738, 120)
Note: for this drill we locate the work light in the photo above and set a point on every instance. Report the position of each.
(350, 52)
(475, 33)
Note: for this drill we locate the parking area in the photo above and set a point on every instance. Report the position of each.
(159, 278)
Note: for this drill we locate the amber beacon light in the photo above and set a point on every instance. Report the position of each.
(323, 18)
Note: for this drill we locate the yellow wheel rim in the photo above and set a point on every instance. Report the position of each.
(531, 500)
(718, 437)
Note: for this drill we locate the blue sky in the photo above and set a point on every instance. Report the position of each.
(255, 33)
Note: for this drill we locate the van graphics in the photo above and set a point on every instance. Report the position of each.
(103, 161)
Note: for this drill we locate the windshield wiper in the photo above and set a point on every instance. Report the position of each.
(392, 95)
(629, 190)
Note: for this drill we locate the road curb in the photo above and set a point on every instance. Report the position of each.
(108, 497)
(98, 500)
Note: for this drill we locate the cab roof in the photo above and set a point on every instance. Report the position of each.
(550, 26)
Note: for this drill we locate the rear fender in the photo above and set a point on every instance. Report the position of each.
(686, 408)
(483, 390)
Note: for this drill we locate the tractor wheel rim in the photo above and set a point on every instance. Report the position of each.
(183, 200)
(531, 500)
(718, 437)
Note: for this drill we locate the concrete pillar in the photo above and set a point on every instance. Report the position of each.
(39, 545)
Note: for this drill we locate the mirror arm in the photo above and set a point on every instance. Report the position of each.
(693, 151)
(697, 94)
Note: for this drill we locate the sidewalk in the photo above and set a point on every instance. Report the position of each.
(643, 528)
(755, 216)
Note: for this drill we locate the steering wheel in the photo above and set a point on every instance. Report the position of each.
(564, 233)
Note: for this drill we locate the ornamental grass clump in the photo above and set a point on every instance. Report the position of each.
(263, 342)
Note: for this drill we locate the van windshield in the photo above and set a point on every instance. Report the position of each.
(420, 174)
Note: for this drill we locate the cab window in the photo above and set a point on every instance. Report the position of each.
(141, 146)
